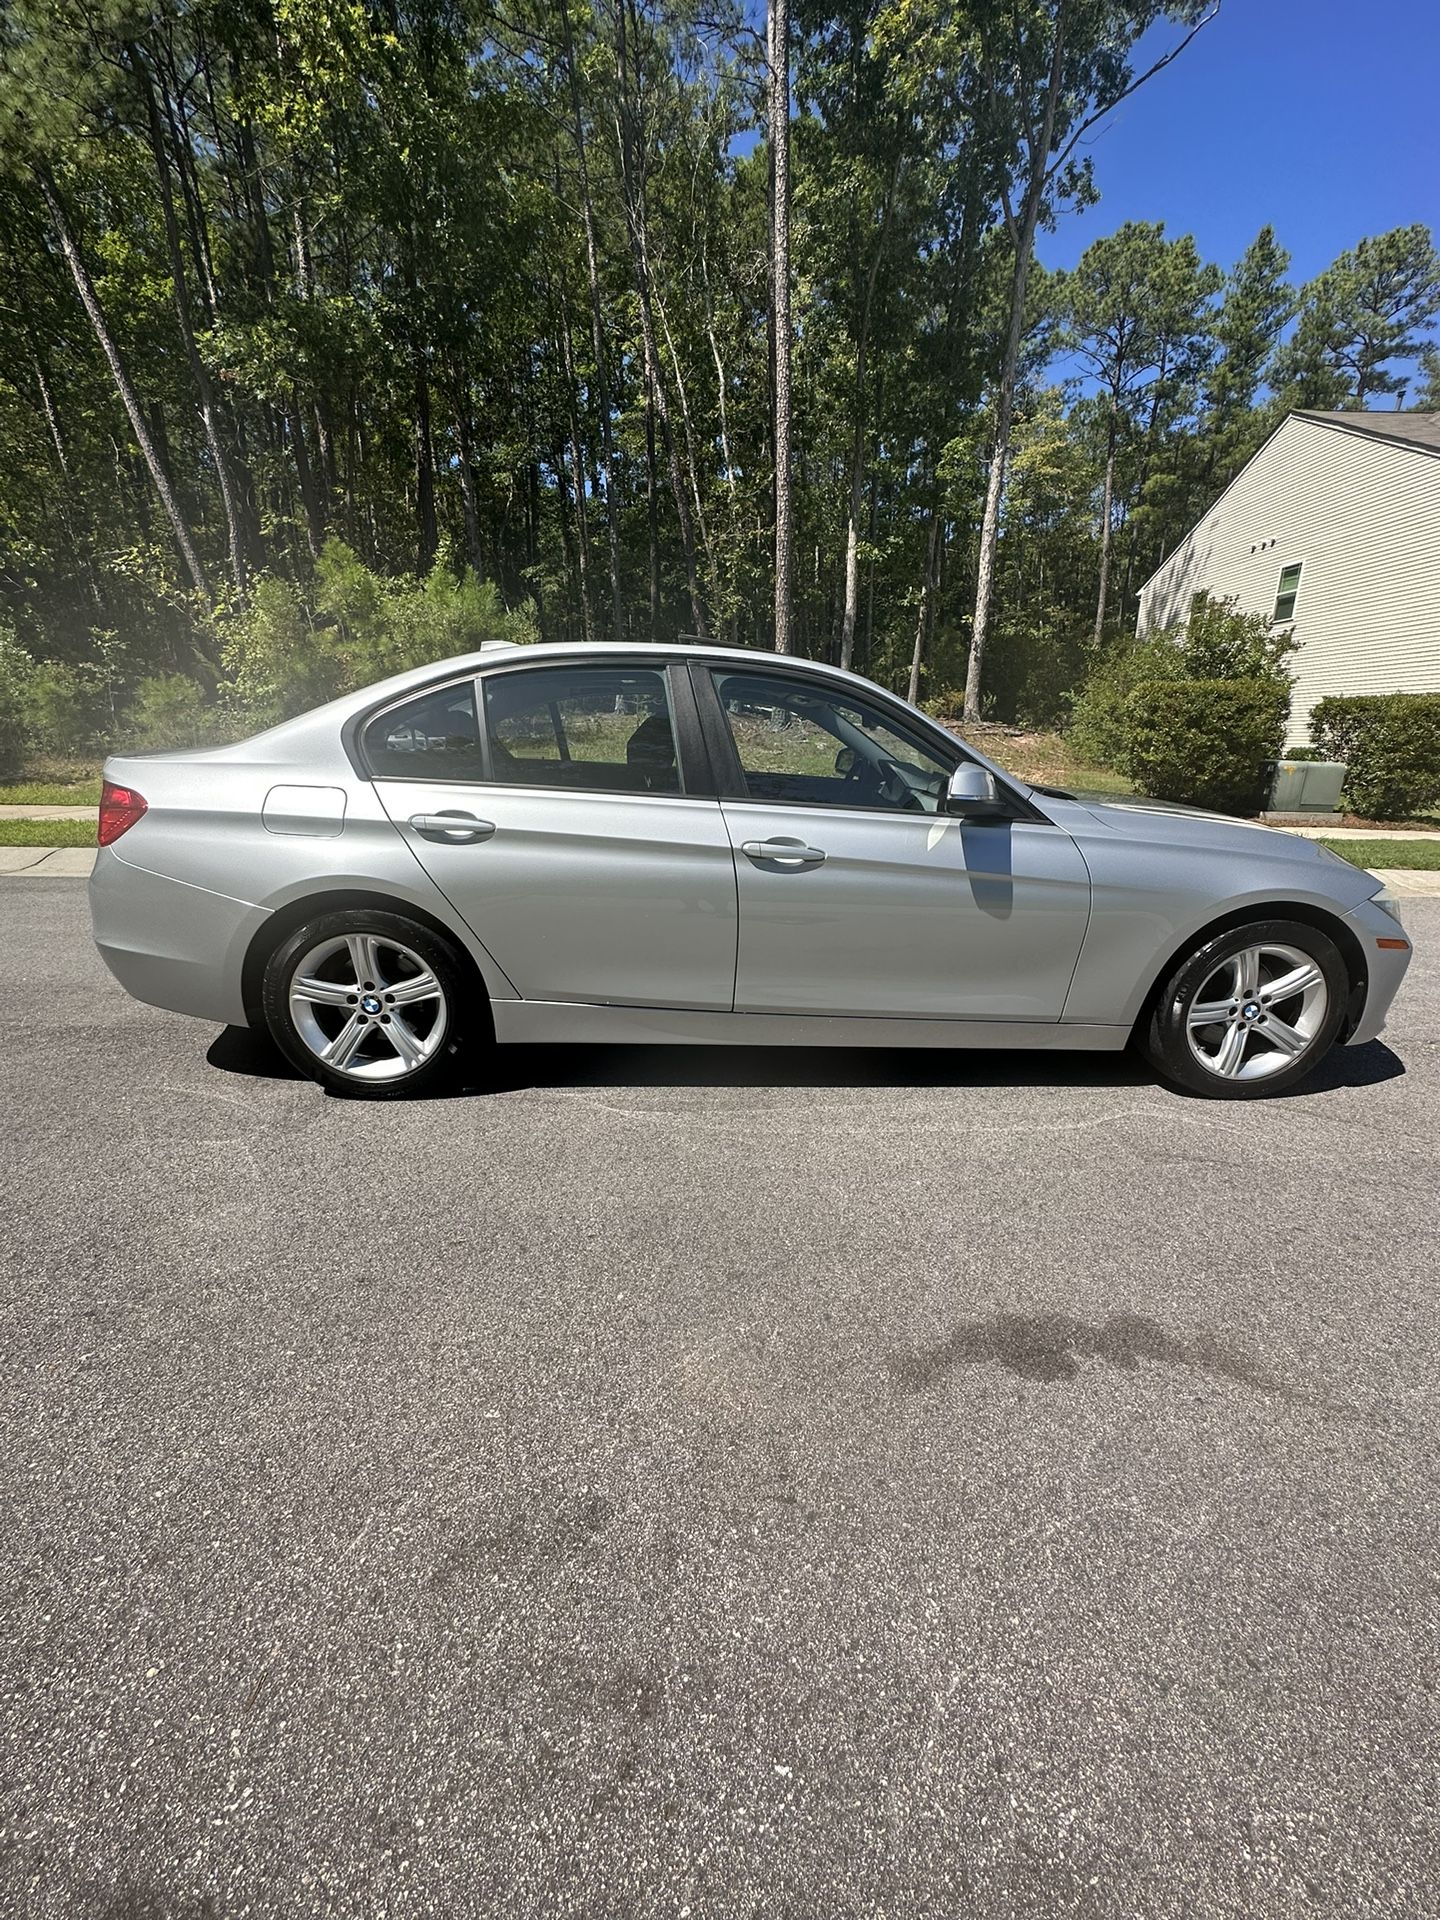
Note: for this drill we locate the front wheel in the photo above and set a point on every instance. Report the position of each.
(1249, 1013)
(368, 1003)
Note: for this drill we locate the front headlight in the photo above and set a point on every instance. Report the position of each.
(1387, 903)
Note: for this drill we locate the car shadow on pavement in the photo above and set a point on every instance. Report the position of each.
(240, 1050)
(542, 1066)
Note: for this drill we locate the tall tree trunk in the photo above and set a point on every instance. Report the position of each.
(229, 496)
(427, 526)
(652, 515)
(577, 479)
(778, 44)
(1023, 236)
(129, 399)
(474, 554)
(574, 566)
(67, 483)
(1107, 510)
(725, 456)
(850, 606)
(922, 618)
(691, 460)
(309, 498)
(597, 338)
(636, 224)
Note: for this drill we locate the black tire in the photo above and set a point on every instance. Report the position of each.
(440, 1025)
(1256, 1066)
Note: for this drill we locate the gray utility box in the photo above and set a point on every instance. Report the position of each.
(1307, 786)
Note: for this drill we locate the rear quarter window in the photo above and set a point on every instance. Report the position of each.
(435, 736)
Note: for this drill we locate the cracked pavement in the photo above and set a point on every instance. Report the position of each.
(710, 1483)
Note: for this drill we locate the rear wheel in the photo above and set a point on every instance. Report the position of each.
(1250, 1012)
(369, 1003)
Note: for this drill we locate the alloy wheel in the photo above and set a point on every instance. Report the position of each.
(1258, 1012)
(367, 1007)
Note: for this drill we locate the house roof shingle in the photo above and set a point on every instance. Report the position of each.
(1410, 429)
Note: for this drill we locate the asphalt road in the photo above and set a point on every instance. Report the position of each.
(710, 1484)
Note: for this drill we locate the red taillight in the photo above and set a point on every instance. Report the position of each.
(120, 808)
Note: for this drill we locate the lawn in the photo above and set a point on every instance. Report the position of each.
(1388, 853)
(47, 833)
(51, 793)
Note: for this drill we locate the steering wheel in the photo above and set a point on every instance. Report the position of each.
(897, 788)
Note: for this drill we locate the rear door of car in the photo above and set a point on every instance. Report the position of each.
(562, 806)
(858, 895)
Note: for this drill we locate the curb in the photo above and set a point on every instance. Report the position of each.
(1415, 883)
(35, 863)
(49, 813)
(1357, 833)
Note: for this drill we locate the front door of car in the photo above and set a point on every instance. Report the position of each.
(857, 894)
(555, 818)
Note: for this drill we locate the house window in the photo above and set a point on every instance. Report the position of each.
(1287, 593)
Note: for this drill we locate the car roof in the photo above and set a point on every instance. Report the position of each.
(496, 651)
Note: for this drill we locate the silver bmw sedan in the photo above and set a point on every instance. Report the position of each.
(697, 844)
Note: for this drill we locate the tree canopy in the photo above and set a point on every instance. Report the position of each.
(448, 296)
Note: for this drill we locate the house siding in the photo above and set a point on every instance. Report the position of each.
(1362, 516)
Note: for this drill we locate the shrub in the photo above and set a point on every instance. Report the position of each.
(1217, 642)
(16, 670)
(1206, 742)
(1390, 743)
(946, 705)
(66, 708)
(293, 648)
(167, 710)
(1099, 730)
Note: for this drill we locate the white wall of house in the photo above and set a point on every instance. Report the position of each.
(1361, 517)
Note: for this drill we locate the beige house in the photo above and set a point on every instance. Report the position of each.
(1334, 526)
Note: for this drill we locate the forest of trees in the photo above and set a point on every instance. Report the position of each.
(622, 318)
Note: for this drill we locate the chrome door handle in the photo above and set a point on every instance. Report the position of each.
(452, 828)
(782, 853)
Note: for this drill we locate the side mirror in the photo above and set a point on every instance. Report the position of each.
(974, 792)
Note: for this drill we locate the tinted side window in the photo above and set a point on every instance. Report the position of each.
(605, 728)
(432, 737)
(803, 741)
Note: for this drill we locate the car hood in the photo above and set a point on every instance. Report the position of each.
(1157, 823)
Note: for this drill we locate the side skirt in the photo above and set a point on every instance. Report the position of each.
(534, 1022)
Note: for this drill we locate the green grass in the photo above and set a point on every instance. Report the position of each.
(1388, 853)
(51, 793)
(47, 833)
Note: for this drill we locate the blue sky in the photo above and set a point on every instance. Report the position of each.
(1320, 116)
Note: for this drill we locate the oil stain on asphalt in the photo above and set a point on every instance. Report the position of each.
(1050, 1348)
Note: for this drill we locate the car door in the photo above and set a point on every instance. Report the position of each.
(858, 895)
(552, 806)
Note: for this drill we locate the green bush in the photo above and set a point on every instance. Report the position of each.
(947, 705)
(66, 708)
(1217, 642)
(167, 710)
(1390, 743)
(1206, 742)
(1099, 730)
(16, 669)
(293, 648)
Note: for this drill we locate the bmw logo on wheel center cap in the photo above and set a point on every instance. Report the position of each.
(371, 1004)
(1251, 1010)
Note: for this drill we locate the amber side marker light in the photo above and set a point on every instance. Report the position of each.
(120, 808)
(1399, 946)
